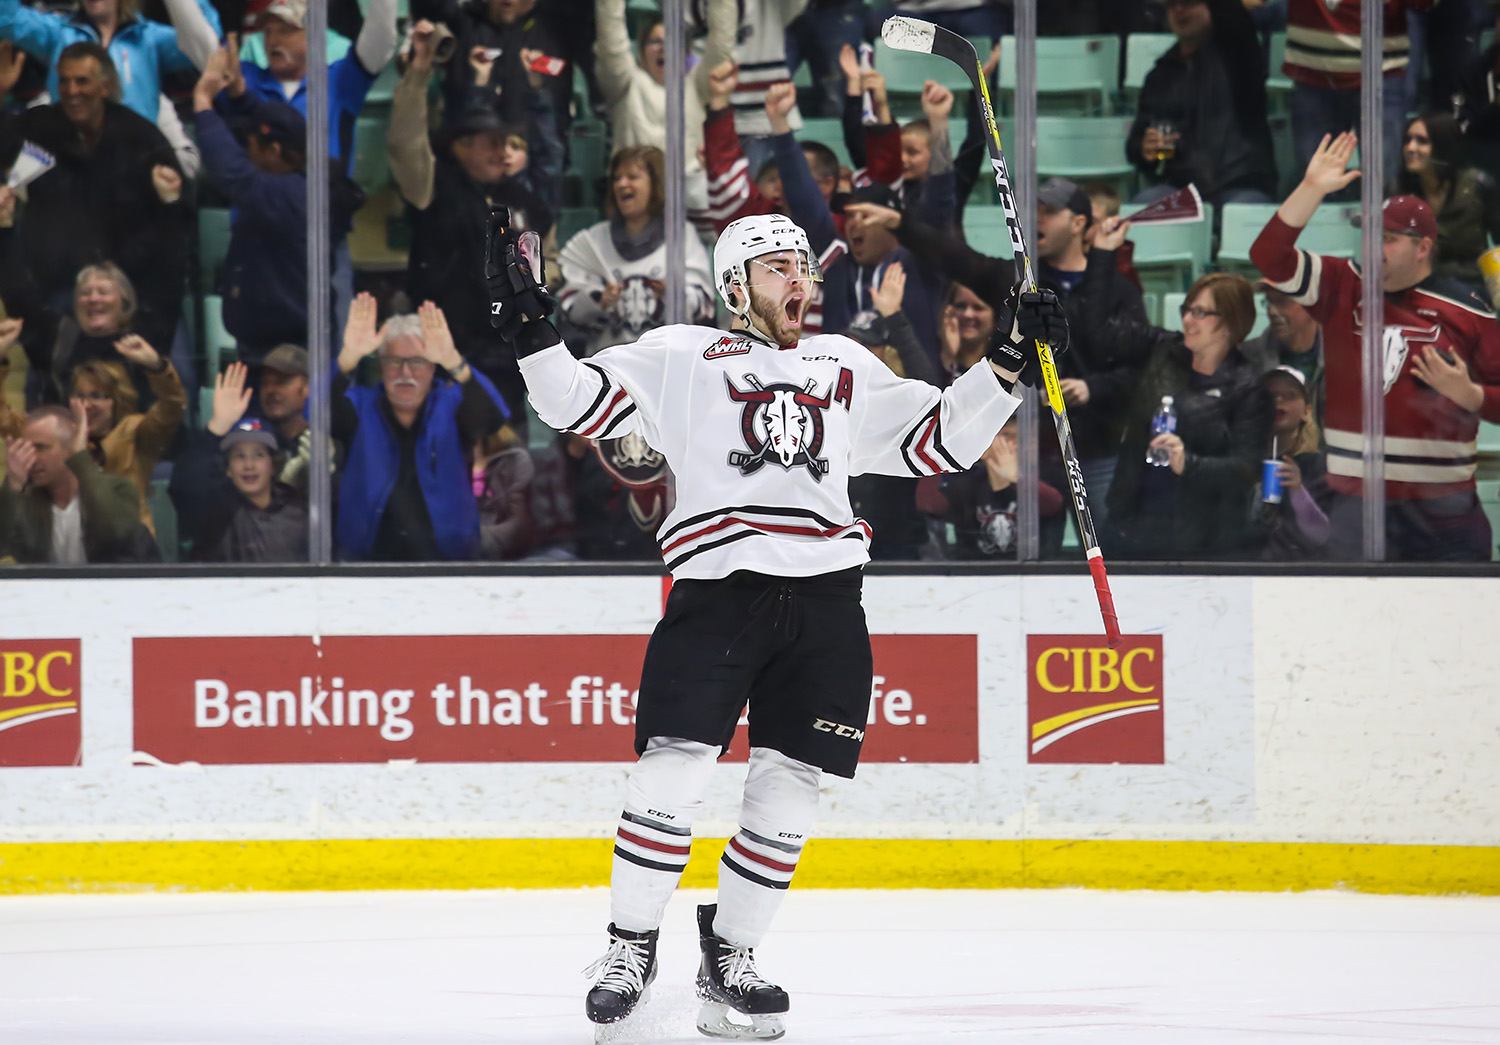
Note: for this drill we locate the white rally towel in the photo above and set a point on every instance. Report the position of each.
(31, 164)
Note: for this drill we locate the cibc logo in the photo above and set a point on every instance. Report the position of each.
(39, 702)
(1088, 703)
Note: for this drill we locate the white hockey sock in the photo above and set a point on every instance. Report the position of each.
(780, 805)
(656, 829)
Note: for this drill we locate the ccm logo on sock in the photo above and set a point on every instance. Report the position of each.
(822, 725)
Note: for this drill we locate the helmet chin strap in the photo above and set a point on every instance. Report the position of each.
(745, 319)
(757, 331)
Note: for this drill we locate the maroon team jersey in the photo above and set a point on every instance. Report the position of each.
(1431, 443)
(1322, 41)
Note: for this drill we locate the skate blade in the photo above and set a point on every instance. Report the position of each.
(718, 1020)
(631, 1029)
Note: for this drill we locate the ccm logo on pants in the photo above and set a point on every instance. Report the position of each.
(822, 725)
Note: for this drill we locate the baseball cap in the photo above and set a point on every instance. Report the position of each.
(278, 124)
(292, 12)
(1410, 216)
(880, 195)
(1064, 194)
(248, 431)
(473, 119)
(287, 359)
(1284, 370)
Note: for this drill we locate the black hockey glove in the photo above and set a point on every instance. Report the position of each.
(1025, 318)
(513, 273)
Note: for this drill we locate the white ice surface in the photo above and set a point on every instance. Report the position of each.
(895, 967)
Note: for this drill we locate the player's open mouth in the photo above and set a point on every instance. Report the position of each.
(793, 309)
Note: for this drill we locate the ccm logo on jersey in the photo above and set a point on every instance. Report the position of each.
(822, 725)
(727, 346)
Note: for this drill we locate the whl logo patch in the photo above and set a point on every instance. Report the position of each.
(1087, 703)
(727, 346)
(39, 703)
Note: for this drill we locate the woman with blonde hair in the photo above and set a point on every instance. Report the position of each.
(1187, 494)
(104, 309)
(123, 439)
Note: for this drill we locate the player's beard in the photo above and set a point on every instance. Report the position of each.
(771, 318)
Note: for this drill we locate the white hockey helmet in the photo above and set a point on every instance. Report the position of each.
(749, 238)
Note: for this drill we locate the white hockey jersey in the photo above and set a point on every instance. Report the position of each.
(763, 440)
(590, 260)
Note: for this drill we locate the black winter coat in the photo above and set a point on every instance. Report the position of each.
(98, 204)
(1217, 100)
(1224, 421)
(1103, 296)
(472, 28)
(447, 249)
(222, 525)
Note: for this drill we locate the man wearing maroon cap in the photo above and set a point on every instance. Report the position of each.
(1441, 373)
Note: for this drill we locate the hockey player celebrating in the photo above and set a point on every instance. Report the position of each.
(762, 430)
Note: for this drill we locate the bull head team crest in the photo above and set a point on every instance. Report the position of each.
(782, 424)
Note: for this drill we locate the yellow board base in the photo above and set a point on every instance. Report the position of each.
(831, 863)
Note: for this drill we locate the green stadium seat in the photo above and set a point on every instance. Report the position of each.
(985, 231)
(1083, 148)
(1489, 437)
(164, 517)
(1152, 302)
(403, 8)
(383, 88)
(1329, 232)
(1141, 52)
(588, 161)
(218, 343)
(1171, 314)
(573, 220)
(826, 131)
(983, 194)
(1278, 84)
(1283, 149)
(213, 244)
(1488, 491)
(1171, 311)
(1075, 74)
(1262, 318)
(205, 405)
(906, 71)
(1176, 254)
(372, 165)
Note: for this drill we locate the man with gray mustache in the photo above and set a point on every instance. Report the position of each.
(405, 493)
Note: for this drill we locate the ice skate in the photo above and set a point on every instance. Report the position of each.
(730, 987)
(623, 979)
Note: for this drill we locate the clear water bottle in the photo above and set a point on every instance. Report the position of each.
(1164, 420)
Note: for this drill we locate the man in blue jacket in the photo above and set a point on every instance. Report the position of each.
(406, 493)
(265, 270)
(284, 76)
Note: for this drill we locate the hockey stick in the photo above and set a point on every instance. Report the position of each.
(912, 34)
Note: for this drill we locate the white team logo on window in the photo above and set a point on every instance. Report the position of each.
(782, 424)
(1397, 341)
(639, 308)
